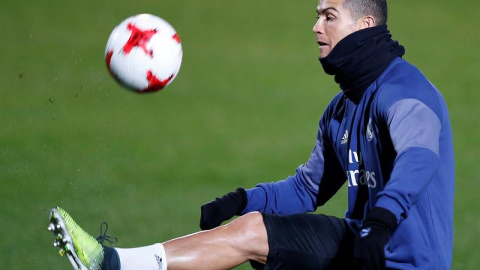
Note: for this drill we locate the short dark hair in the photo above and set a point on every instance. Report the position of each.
(375, 8)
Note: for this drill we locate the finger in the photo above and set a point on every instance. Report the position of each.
(375, 260)
(205, 218)
(381, 259)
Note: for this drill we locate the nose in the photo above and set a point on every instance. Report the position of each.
(317, 27)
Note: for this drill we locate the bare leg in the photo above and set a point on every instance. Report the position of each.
(224, 247)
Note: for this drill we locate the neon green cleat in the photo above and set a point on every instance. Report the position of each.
(83, 250)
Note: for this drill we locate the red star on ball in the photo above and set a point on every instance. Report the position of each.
(138, 38)
(155, 84)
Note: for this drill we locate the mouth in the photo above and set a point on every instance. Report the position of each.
(321, 43)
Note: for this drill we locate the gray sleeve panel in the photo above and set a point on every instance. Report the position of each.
(413, 124)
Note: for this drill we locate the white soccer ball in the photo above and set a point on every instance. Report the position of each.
(144, 53)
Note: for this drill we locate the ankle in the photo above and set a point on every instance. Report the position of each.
(111, 260)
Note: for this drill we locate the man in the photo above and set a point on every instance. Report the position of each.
(387, 134)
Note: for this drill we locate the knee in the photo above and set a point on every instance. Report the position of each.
(248, 225)
(249, 232)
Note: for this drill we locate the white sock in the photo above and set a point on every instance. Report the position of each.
(143, 258)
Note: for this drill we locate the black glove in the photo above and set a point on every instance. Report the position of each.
(370, 242)
(217, 211)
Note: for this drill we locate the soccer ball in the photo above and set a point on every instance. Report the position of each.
(144, 53)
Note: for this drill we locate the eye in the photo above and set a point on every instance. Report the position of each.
(330, 18)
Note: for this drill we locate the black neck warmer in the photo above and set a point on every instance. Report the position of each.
(358, 59)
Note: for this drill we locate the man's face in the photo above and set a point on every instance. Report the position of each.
(333, 24)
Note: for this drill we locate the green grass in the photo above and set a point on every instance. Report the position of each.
(243, 110)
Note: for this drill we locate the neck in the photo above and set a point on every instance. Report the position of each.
(358, 59)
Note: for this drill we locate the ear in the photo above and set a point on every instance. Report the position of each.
(366, 22)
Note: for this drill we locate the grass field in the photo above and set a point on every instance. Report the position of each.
(243, 110)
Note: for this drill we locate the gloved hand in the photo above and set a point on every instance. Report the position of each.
(369, 246)
(217, 211)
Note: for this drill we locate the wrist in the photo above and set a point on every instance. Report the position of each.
(381, 217)
(240, 198)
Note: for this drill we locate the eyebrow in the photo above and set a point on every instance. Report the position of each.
(322, 11)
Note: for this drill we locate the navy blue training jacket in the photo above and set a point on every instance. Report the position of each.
(394, 149)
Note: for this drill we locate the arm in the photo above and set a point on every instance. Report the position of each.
(313, 184)
(415, 132)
